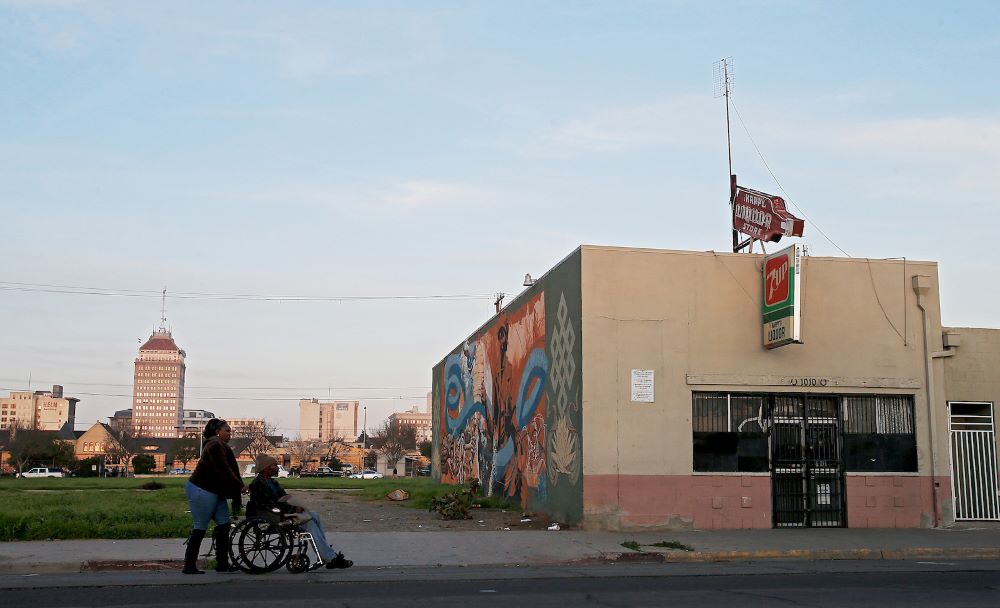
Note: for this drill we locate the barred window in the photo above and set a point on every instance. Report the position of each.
(879, 434)
(729, 432)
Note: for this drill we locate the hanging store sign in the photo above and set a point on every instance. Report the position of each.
(781, 300)
(763, 216)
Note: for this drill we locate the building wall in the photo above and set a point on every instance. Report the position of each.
(972, 373)
(694, 318)
(17, 407)
(158, 393)
(506, 401)
(38, 410)
(327, 421)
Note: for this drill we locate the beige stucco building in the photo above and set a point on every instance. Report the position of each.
(630, 389)
(39, 410)
(336, 420)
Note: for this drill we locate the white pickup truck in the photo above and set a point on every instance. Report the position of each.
(43, 472)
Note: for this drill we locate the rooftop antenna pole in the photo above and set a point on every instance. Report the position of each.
(163, 311)
(723, 71)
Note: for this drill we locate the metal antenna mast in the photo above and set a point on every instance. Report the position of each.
(723, 73)
(163, 311)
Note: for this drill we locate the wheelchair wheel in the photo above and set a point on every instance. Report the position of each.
(298, 562)
(264, 546)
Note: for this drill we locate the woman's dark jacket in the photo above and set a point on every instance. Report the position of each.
(217, 471)
(264, 497)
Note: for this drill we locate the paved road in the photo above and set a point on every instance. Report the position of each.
(833, 583)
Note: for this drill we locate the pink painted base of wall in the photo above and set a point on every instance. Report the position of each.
(892, 501)
(733, 501)
(676, 501)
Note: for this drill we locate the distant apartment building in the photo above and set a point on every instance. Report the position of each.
(246, 427)
(40, 410)
(193, 422)
(158, 397)
(122, 418)
(328, 421)
(420, 421)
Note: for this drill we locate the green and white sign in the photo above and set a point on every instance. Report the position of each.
(781, 299)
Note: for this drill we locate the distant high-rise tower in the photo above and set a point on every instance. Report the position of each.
(158, 396)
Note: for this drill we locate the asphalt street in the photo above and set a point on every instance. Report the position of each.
(826, 583)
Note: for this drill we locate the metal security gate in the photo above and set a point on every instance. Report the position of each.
(973, 461)
(806, 469)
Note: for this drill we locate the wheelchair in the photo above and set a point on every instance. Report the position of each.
(267, 541)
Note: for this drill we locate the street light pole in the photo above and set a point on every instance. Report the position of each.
(364, 428)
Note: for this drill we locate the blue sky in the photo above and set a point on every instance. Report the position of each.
(448, 148)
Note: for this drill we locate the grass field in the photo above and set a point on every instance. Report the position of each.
(39, 509)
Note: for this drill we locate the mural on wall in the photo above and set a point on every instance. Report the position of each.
(563, 456)
(507, 405)
(493, 393)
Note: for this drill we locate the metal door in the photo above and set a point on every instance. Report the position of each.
(806, 470)
(973, 461)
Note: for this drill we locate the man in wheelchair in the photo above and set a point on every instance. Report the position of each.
(266, 495)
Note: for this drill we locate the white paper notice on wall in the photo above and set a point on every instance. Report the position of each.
(642, 386)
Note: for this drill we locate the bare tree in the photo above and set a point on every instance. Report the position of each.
(258, 435)
(184, 451)
(125, 441)
(25, 445)
(306, 451)
(336, 449)
(392, 439)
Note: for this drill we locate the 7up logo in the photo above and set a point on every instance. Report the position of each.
(776, 281)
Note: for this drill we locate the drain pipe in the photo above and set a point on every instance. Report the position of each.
(921, 286)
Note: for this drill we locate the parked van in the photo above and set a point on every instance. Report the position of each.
(251, 471)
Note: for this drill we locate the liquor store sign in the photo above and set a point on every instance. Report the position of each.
(763, 216)
(781, 298)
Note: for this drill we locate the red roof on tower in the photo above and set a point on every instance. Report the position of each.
(159, 341)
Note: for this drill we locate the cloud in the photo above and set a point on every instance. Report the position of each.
(424, 193)
(677, 121)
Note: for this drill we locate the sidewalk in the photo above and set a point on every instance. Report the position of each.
(445, 548)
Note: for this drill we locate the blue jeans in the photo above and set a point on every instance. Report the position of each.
(206, 506)
(315, 527)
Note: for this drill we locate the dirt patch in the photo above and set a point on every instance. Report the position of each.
(346, 512)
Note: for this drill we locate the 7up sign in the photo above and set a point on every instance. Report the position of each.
(781, 305)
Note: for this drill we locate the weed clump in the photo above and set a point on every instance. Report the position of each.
(456, 505)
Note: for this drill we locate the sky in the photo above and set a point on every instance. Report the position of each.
(351, 149)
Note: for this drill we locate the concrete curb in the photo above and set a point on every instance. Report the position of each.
(664, 557)
(800, 554)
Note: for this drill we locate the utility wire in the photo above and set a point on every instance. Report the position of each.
(775, 178)
(248, 398)
(196, 295)
(66, 383)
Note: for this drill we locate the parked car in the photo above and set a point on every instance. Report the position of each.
(321, 472)
(250, 471)
(43, 472)
(424, 471)
(180, 472)
(367, 474)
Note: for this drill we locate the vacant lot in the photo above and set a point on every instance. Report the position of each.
(38, 509)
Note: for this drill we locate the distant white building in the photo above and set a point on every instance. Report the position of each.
(193, 421)
(328, 421)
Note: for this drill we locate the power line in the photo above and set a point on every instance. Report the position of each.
(195, 295)
(780, 187)
(66, 383)
(248, 398)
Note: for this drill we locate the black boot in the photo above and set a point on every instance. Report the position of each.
(191, 554)
(339, 561)
(222, 542)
